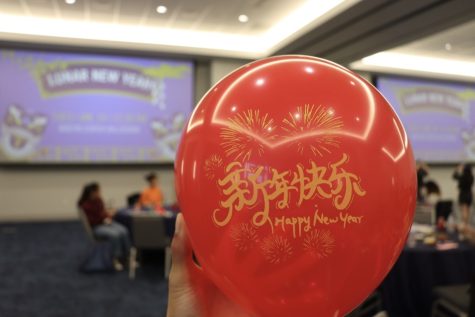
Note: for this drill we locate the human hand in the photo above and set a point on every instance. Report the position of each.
(107, 221)
(191, 293)
(182, 301)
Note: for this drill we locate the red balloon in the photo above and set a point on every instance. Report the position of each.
(297, 183)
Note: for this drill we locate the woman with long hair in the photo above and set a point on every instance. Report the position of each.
(102, 224)
(464, 176)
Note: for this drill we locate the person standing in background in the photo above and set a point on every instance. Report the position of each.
(422, 172)
(151, 197)
(464, 176)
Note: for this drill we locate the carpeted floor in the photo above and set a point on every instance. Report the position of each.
(39, 277)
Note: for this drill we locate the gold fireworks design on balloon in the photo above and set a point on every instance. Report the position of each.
(319, 243)
(244, 236)
(213, 163)
(245, 134)
(319, 123)
(276, 249)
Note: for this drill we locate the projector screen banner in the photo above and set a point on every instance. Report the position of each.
(85, 108)
(439, 117)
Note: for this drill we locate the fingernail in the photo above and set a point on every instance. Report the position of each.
(179, 224)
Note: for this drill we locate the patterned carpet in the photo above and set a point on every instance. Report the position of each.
(39, 277)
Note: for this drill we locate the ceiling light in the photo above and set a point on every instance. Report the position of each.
(448, 46)
(70, 1)
(162, 9)
(421, 63)
(243, 18)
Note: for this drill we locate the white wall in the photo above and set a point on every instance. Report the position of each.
(221, 67)
(443, 176)
(50, 193)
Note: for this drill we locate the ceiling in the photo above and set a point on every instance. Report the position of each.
(397, 36)
(189, 26)
(433, 37)
(446, 54)
(456, 43)
(204, 15)
(378, 25)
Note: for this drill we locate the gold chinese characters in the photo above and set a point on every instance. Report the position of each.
(244, 186)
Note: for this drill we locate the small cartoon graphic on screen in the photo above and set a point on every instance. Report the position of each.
(167, 135)
(21, 133)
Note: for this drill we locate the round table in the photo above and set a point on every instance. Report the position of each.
(407, 290)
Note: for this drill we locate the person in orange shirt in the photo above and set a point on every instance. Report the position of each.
(151, 198)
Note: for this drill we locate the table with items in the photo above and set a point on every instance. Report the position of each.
(430, 259)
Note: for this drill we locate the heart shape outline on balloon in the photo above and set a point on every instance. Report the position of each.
(356, 81)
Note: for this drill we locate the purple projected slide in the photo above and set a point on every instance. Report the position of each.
(439, 117)
(64, 107)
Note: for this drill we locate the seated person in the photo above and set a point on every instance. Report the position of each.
(151, 197)
(102, 224)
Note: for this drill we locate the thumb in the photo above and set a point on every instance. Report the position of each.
(181, 250)
(181, 298)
